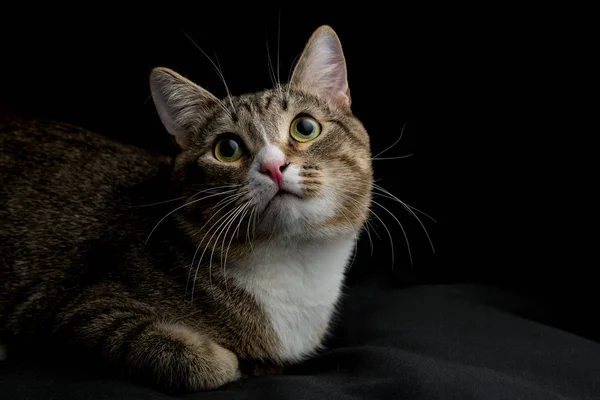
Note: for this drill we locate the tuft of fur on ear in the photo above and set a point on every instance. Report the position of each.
(181, 104)
(322, 68)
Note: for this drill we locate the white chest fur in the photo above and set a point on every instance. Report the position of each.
(297, 285)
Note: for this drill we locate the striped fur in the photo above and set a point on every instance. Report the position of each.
(183, 294)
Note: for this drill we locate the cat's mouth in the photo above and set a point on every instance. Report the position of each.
(282, 195)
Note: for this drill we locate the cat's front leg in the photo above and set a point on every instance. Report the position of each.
(148, 346)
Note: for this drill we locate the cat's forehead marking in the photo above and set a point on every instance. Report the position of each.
(260, 117)
(263, 118)
(264, 133)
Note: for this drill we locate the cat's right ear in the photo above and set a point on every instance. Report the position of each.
(181, 104)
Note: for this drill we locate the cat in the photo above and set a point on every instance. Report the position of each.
(175, 271)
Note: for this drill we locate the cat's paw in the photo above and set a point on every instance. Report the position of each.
(225, 364)
(178, 359)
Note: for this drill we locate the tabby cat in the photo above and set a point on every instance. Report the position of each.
(174, 271)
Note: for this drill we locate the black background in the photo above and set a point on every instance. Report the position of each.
(477, 90)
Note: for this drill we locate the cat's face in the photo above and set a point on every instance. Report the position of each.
(292, 161)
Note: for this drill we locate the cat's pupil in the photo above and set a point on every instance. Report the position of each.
(305, 127)
(228, 148)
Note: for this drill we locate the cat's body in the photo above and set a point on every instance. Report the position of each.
(114, 211)
(245, 261)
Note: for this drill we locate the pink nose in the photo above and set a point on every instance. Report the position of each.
(274, 169)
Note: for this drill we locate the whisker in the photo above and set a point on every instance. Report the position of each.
(218, 70)
(366, 226)
(205, 187)
(373, 226)
(226, 231)
(410, 211)
(355, 236)
(270, 65)
(393, 144)
(222, 228)
(182, 206)
(290, 73)
(226, 88)
(345, 193)
(420, 212)
(358, 205)
(228, 213)
(237, 196)
(369, 236)
(213, 189)
(278, 45)
(389, 235)
(274, 80)
(399, 224)
(402, 228)
(245, 210)
(241, 208)
(422, 226)
(253, 210)
(386, 193)
(391, 158)
(158, 202)
(254, 225)
(232, 198)
(227, 217)
(278, 39)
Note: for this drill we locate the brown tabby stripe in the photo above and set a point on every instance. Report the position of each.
(214, 115)
(258, 106)
(135, 331)
(348, 132)
(247, 107)
(269, 100)
(69, 193)
(350, 163)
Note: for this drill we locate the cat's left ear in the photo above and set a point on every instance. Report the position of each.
(322, 68)
(181, 104)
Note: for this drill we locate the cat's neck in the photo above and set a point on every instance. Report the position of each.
(298, 285)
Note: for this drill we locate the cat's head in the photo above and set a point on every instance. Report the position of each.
(290, 161)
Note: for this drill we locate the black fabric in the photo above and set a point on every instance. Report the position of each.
(482, 97)
(424, 342)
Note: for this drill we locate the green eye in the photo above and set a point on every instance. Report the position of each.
(305, 129)
(228, 150)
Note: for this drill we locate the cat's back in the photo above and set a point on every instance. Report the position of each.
(62, 186)
(63, 190)
(48, 166)
(50, 171)
(63, 158)
(31, 148)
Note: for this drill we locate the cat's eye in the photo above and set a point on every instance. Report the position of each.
(305, 129)
(228, 149)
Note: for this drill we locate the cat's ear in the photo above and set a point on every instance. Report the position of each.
(322, 68)
(181, 104)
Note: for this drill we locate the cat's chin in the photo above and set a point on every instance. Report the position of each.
(283, 205)
(287, 214)
(281, 198)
